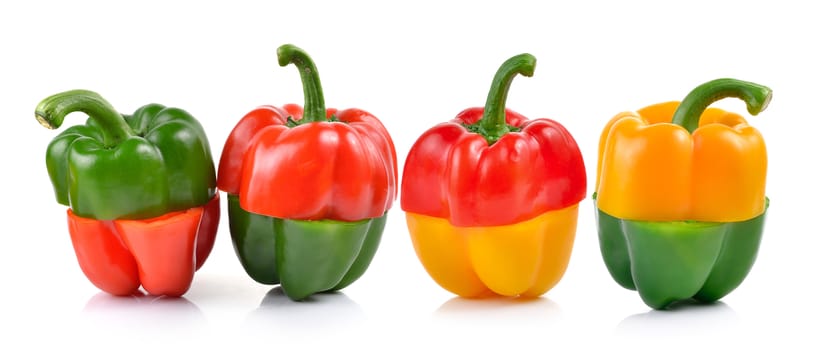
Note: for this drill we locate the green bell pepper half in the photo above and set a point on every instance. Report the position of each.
(304, 256)
(679, 260)
(117, 166)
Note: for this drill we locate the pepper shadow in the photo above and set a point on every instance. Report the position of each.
(159, 315)
(317, 313)
(683, 319)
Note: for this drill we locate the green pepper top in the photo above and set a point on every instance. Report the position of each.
(156, 161)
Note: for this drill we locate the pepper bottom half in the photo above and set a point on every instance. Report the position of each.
(304, 257)
(678, 260)
(161, 253)
(523, 259)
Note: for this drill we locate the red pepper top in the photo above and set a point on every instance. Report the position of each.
(480, 170)
(310, 164)
(453, 173)
(320, 170)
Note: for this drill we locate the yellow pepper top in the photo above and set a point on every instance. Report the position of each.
(653, 170)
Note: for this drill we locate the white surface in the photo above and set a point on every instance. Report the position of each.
(413, 65)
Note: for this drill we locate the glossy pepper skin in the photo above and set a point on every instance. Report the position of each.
(681, 195)
(491, 198)
(308, 189)
(144, 208)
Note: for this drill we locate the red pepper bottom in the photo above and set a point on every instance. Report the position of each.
(162, 253)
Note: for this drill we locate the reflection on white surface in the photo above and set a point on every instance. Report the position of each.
(541, 310)
(685, 319)
(138, 305)
(111, 317)
(319, 312)
(497, 322)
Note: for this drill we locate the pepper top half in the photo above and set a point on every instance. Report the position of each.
(685, 161)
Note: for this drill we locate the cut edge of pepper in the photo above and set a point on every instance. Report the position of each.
(687, 221)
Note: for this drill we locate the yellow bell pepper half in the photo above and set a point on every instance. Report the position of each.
(653, 170)
(523, 259)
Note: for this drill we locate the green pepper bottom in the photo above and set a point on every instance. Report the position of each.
(305, 257)
(679, 260)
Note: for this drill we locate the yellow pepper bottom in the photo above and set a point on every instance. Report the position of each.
(523, 259)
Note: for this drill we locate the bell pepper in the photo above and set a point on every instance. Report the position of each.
(491, 198)
(680, 195)
(308, 189)
(143, 206)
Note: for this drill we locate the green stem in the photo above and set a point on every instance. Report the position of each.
(53, 109)
(314, 109)
(756, 96)
(493, 124)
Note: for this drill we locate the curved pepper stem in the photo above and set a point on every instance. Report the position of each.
(53, 109)
(493, 124)
(756, 96)
(314, 109)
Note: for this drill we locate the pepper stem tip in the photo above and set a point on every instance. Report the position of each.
(757, 108)
(44, 121)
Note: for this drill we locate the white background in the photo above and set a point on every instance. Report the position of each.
(413, 65)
